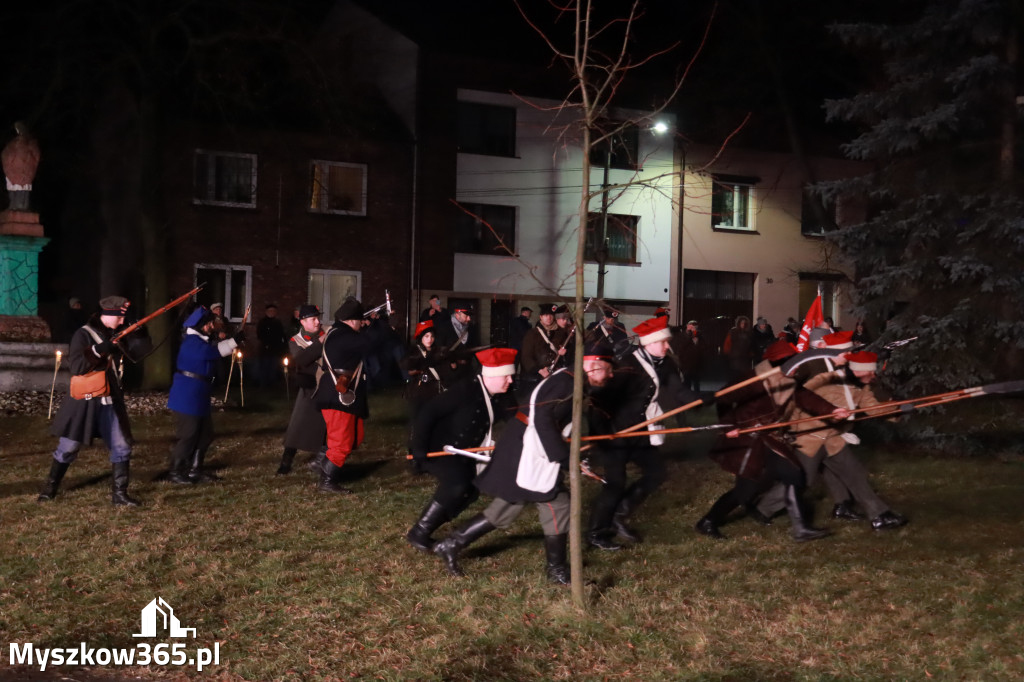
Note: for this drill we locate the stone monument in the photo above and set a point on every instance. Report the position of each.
(26, 356)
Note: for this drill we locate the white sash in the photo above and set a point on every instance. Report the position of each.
(653, 409)
(537, 472)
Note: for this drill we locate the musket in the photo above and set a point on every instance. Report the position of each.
(558, 355)
(896, 344)
(386, 305)
(475, 453)
(909, 405)
(135, 325)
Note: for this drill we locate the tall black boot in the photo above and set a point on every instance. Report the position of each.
(600, 535)
(197, 473)
(178, 472)
(57, 471)
(449, 548)
(119, 490)
(801, 528)
(708, 525)
(287, 457)
(316, 465)
(329, 479)
(554, 548)
(430, 520)
(633, 499)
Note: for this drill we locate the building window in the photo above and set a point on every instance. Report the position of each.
(329, 288)
(227, 284)
(485, 228)
(487, 129)
(732, 198)
(224, 179)
(621, 147)
(338, 188)
(622, 237)
(817, 216)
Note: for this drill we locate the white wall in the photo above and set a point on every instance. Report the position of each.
(544, 183)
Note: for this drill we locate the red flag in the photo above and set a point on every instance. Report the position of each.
(814, 319)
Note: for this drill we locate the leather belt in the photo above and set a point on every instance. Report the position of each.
(193, 375)
(523, 418)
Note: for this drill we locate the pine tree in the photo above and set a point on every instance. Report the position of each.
(939, 254)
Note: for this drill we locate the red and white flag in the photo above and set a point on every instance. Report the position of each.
(814, 319)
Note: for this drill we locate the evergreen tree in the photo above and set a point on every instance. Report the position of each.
(940, 250)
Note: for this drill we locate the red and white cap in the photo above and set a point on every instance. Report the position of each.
(654, 329)
(839, 340)
(497, 362)
(862, 361)
(423, 328)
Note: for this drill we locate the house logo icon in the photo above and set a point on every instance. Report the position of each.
(159, 611)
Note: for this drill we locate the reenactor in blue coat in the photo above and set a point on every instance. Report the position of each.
(79, 421)
(463, 416)
(189, 398)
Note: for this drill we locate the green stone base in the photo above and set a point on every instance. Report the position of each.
(19, 274)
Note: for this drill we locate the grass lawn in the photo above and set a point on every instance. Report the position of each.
(297, 585)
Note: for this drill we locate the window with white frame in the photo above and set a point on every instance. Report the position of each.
(732, 202)
(227, 284)
(329, 288)
(337, 187)
(224, 178)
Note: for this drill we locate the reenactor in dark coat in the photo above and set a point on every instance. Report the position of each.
(428, 371)
(79, 421)
(527, 466)
(761, 458)
(612, 331)
(455, 336)
(646, 384)
(306, 428)
(341, 390)
(463, 416)
(542, 348)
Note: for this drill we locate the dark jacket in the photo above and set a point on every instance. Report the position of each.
(457, 417)
(552, 412)
(537, 354)
(624, 401)
(761, 403)
(344, 349)
(306, 428)
(429, 374)
(77, 419)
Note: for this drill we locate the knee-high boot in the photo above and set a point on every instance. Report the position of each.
(450, 548)
(633, 499)
(197, 473)
(119, 488)
(287, 457)
(329, 479)
(430, 520)
(57, 471)
(554, 549)
(801, 528)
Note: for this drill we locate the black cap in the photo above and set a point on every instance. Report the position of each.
(351, 309)
(308, 310)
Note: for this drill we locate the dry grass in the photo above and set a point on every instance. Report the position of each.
(301, 586)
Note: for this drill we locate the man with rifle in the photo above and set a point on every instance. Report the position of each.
(95, 407)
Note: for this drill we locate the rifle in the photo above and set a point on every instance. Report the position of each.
(896, 344)
(135, 325)
(558, 355)
(386, 305)
(905, 406)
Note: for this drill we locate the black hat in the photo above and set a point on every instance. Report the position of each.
(308, 310)
(610, 311)
(548, 309)
(351, 309)
(599, 348)
(562, 311)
